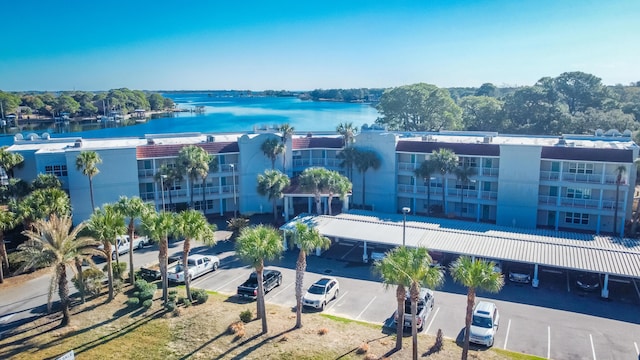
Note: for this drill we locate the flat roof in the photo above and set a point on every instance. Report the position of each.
(560, 249)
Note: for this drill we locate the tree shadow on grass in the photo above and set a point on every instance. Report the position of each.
(355, 349)
(252, 348)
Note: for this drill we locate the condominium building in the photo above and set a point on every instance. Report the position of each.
(572, 182)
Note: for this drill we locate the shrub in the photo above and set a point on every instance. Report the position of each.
(236, 327)
(133, 302)
(323, 331)
(119, 269)
(177, 312)
(92, 279)
(362, 349)
(147, 303)
(146, 295)
(200, 296)
(170, 306)
(246, 316)
(186, 302)
(172, 297)
(173, 292)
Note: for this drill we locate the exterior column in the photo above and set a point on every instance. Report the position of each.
(535, 282)
(365, 257)
(285, 205)
(318, 251)
(325, 203)
(345, 203)
(284, 240)
(221, 199)
(605, 287)
(309, 204)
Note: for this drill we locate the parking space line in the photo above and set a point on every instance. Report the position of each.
(283, 289)
(365, 308)
(506, 339)
(7, 317)
(593, 350)
(337, 300)
(636, 345)
(548, 342)
(432, 318)
(229, 282)
(206, 277)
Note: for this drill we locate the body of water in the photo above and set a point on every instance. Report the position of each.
(224, 114)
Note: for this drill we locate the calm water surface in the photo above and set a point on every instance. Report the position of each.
(224, 114)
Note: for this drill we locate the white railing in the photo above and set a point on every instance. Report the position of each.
(490, 171)
(489, 195)
(582, 178)
(406, 166)
(145, 172)
(550, 175)
(405, 188)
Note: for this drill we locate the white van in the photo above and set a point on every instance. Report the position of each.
(484, 323)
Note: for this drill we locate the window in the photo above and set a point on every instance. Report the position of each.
(580, 168)
(578, 193)
(576, 218)
(488, 163)
(57, 170)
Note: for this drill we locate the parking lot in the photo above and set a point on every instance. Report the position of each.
(554, 320)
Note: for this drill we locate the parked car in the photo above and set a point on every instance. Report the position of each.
(484, 323)
(198, 265)
(425, 305)
(270, 280)
(588, 281)
(321, 292)
(520, 274)
(122, 245)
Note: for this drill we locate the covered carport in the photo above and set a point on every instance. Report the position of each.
(564, 250)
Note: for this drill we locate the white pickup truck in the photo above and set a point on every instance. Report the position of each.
(123, 244)
(198, 265)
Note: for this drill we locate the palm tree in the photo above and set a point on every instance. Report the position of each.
(313, 179)
(272, 184)
(192, 225)
(255, 245)
(307, 239)
(193, 161)
(167, 176)
(43, 181)
(106, 225)
(271, 149)
(408, 268)
(336, 184)
(87, 162)
(348, 157)
(426, 169)
(348, 132)
(8, 221)
(158, 226)
(54, 244)
(445, 161)
(620, 172)
(464, 174)
(287, 131)
(9, 160)
(40, 204)
(365, 160)
(474, 274)
(132, 209)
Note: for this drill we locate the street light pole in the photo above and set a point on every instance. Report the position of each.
(235, 204)
(405, 211)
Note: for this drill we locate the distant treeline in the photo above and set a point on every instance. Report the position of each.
(573, 102)
(82, 103)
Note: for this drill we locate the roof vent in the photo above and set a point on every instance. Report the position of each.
(46, 136)
(78, 143)
(599, 132)
(309, 135)
(562, 142)
(428, 138)
(150, 141)
(18, 137)
(487, 139)
(211, 138)
(33, 136)
(626, 133)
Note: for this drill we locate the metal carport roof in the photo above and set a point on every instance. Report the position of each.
(588, 252)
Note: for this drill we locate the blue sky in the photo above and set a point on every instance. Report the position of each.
(303, 45)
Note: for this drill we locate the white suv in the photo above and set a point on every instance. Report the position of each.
(484, 323)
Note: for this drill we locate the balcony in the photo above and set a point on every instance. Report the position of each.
(577, 203)
(490, 172)
(582, 178)
(406, 166)
(550, 175)
(145, 173)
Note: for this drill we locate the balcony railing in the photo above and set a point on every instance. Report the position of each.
(145, 172)
(492, 195)
(582, 178)
(406, 166)
(578, 203)
(549, 175)
(490, 171)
